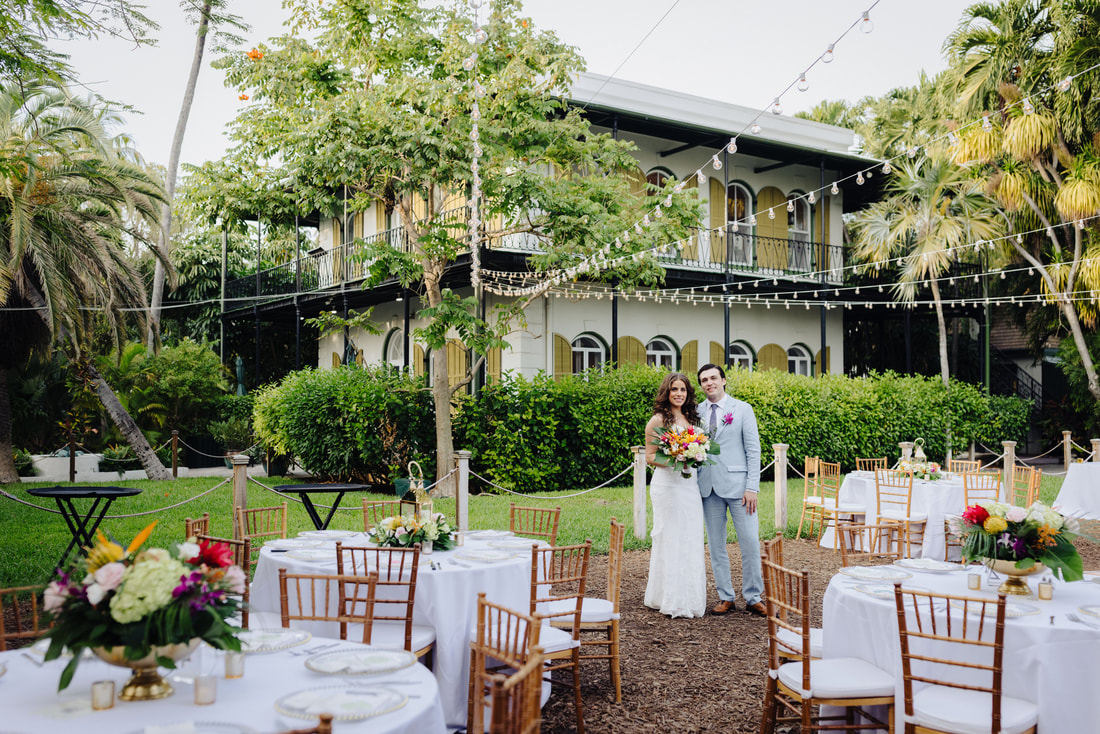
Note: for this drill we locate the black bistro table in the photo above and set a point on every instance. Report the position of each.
(305, 490)
(101, 497)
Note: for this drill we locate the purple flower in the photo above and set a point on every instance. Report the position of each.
(187, 583)
(1005, 540)
(1020, 548)
(727, 419)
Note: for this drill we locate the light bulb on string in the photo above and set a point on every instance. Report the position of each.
(702, 177)
(835, 189)
(475, 112)
(886, 167)
(479, 91)
(480, 36)
(716, 162)
(912, 152)
(790, 205)
(668, 200)
(1028, 107)
(986, 124)
(866, 25)
(827, 57)
(812, 198)
(736, 225)
(952, 138)
(859, 178)
(771, 213)
(731, 146)
(776, 108)
(803, 85)
(1065, 84)
(469, 62)
(755, 129)
(752, 220)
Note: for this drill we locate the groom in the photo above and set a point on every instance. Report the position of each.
(731, 484)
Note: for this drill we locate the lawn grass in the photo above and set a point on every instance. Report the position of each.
(31, 541)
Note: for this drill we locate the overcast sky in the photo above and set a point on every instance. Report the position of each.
(741, 51)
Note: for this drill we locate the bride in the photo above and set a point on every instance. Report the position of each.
(677, 577)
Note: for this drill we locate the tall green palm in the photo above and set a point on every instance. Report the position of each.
(68, 203)
(931, 208)
(905, 118)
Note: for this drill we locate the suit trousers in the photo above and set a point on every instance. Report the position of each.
(748, 538)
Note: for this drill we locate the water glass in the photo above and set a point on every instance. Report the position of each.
(103, 695)
(206, 689)
(234, 664)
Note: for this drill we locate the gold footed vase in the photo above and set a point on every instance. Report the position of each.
(1015, 579)
(145, 684)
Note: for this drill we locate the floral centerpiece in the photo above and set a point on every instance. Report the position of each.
(404, 532)
(928, 471)
(1025, 536)
(143, 601)
(685, 449)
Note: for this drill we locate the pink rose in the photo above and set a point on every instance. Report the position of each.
(235, 579)
(1016, 514)
(54, 596)
(109, 576)
(400, 532)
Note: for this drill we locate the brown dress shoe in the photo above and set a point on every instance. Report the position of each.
(758, 609)
(723, 607)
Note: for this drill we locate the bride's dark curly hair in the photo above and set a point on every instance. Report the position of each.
(662, 406)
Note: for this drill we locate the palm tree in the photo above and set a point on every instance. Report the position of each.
(931, 208)
(67, 203)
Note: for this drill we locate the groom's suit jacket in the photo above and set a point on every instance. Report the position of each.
(738, 467)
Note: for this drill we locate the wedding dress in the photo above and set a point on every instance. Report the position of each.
(677, 577)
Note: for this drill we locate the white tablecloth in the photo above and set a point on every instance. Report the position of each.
(1056, 666)
(1080, 493)
(446, 600)
(934, 499)
(31, 704)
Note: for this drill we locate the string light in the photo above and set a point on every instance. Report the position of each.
(755, 129)
(827, 57)
(986, 124)
(803, 85)
(886, 167)
(1028, 107)
(866, 25)
(716, 162)
(835, 189)
(731, 147)
(1065, 84)
(776, 108)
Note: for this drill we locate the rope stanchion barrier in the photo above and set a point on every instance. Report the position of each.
(328, 507)
(769, 466)
(115, 517)
(29, 504)
(555, 497)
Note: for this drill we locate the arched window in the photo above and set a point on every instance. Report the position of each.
(799, 361)
(395, 348)
(588, 353)
(740, 356)
(660, 353)
(657, 178)
(798, 220)
(739, 209)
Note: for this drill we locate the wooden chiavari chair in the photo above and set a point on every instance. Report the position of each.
(20, 617)
(894, 505)
(514, 699)
(958, 466)
(198, 526)
(374, 511)
(505, 636)
(869, 465)
(1026, 481)
(811, 497)
(873, 544)
(534, 522)
(346, 600)
(977, 486)
(831, 507)
(261, 522)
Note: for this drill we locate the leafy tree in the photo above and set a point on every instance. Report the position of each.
(67, 200)
(379, 104)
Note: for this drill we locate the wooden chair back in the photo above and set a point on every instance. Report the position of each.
(616, 541)
(20, 617)
(1026, 481)
(396, 569)
(537, 522)
(503, 635)
(198, 526)
(958, 466)
(242, 556)
(261, 522)
(829, 481)
(559, 574)
(328, 598)
(324, 726)
(862, 544)
(374, 511)
(870, 465)
(773, 549)
(981, 486)
(514, 699)
(787, 599)
(811, 469)
(893, 492)
(967, 635)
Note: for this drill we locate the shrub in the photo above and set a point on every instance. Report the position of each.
(24, 463)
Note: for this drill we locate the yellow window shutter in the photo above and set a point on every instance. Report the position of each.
(772, 254)
(823, 207)
(817, 362)
(457, 362)
(637, 182)
(417, 361)
(717, 354)
(359, 357)
(563, 357)
(335, 359)
(717, 222)
(631, 350)
(492, 365)
(772, 357)
(379, 216)
(689, 358)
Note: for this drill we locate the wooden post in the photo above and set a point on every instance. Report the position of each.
(240, 489)
(462, 494)
(1067, 449)
(906, 450)
(175, 453)
(1096, 450)
(72, 458)
(973, 452)
(640, 529)
(780, 486)
(1009, 469)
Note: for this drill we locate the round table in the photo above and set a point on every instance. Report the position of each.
(32, 704)
(1048, 659)
(1080, 492)
(446, 600)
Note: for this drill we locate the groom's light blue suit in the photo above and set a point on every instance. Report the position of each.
(723, 485)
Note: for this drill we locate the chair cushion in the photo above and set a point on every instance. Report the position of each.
(813, 500)
(969, 712)
(817, 637)
(552, 639)
(391, 635)
(899, 515)
(592, 610)
(839, 678)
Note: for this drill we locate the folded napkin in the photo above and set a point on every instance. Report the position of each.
(184, 727)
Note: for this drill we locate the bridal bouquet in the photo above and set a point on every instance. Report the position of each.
(141, 600)
(685, 449)
(404, 532)
(1025, 535)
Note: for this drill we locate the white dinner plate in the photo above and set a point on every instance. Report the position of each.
(289, 543)
(486, 556)
(876, 573)
(270, 640)
(928, 565)
(884, 591)
(513, 543)
(360, 661)
(207, 727)
(313, 554)
(1093, 610)
(489, 534)
(327, 534)
(1013, 608)
(345, 703)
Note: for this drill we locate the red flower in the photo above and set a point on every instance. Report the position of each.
(214, 554)
(975, 514)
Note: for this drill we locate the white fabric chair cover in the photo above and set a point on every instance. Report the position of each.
(969, 712)
(794, 642)
(592, 610)
(839, 678)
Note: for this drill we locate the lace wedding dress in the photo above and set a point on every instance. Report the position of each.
(677, 578)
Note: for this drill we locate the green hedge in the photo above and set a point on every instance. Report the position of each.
(543, 434)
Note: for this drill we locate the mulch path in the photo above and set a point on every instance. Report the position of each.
(689, 675)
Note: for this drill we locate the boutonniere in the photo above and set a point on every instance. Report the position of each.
(727, 419)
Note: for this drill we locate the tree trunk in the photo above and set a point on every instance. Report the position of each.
(128, 428)
(441, 392)
(8, 473)
(1082, 347)
(941, 325)
(157, 296)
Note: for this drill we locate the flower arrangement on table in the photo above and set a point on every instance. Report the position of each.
(1026, 535)
(143, 599)
(685, 449)
(404, 532)
(928, 471)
